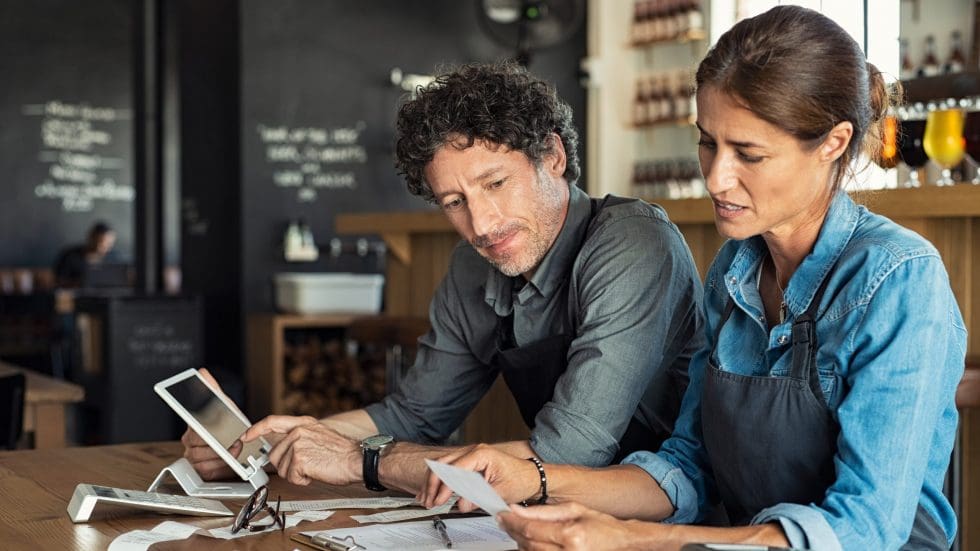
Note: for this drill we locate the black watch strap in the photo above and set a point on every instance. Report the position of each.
(370, 469)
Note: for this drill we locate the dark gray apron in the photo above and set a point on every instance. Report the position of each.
(772, 440)
(531, 371)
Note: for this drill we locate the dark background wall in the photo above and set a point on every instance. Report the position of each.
(249, 93)
(310, 64)
(66, 128)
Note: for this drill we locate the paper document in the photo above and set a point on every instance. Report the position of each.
(406, 514)
(141, 540)
(479, 533)
(470, 485)
(347, 503)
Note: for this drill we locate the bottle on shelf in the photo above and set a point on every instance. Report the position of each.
(640, 102)
(930, 63)
(666, 99)
(907, 68)
(661, 24)
(682, 102)
(695, 18)
(956, 60)
(654, 93)
(638, 30)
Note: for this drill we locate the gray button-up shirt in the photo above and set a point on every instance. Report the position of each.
(634, 302)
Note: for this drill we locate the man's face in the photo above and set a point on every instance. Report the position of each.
(508, 209)
(105, 242)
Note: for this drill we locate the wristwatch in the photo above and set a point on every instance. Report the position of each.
(373, 448)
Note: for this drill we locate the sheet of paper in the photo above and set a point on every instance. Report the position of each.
(476, 534)
(406, 514)
(141, 540)
(470, 485)
(350, 503)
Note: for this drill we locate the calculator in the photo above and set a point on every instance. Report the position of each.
(90, 498)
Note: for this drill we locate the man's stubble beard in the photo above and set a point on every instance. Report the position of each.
(547, 212)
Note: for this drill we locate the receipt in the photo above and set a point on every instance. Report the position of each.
(398, 516)
(350, 503)
(141, 540)
(470, 485)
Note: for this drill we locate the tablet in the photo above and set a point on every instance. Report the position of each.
(215, 418)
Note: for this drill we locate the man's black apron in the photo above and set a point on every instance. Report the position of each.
(532, 370)
(772, 440)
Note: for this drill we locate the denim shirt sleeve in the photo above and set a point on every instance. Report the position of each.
(638, 307)
(898, 417)
(443, 385)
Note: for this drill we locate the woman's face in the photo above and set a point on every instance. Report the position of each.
(761, 179)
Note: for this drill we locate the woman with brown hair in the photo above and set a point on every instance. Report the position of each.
(821, 413)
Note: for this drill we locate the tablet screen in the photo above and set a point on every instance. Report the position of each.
(216, 417)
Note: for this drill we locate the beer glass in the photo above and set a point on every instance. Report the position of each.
(971, 134)
(912, 126)
(943, 140)
(889, 146)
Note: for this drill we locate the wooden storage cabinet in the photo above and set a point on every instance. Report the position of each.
(267, 361)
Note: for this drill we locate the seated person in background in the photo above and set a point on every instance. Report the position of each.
(589, 308)
(72, 263)
(821, 413)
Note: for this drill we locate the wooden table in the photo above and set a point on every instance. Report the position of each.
(45, 401)
(36, 485)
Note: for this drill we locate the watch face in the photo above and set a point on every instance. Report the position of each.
(377, 441)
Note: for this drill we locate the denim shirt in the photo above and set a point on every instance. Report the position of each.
(633, 301)
(891, 351)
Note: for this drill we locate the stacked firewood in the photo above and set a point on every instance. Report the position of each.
(326, 374)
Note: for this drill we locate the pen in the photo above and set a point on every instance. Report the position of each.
(440, 526)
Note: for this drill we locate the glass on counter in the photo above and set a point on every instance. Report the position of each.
(943, 139)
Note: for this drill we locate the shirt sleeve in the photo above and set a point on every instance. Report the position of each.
(637, 294)
(681, 466)
(445, 382)
(898, 417)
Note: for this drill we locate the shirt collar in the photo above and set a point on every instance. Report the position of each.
(555, 265)
(838, 227)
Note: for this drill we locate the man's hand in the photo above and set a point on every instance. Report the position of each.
(514, 478)
(308, 450)
(204, 460)
(569, 526)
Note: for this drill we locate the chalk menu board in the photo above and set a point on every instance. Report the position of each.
(318, 110)
(66, 125)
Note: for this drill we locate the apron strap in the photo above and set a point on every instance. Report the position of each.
(804, 342)
(725, 314)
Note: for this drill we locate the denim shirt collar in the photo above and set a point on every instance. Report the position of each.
(838, 227)
(555, 265)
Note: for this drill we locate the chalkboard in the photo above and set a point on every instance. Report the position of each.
(318, 111)
(66, 125)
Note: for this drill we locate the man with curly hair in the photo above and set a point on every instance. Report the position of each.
(588, 308)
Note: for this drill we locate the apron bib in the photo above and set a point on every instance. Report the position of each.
(772, 440)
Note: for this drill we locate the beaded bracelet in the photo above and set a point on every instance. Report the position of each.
(544, 482)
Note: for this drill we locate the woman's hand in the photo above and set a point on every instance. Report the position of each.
(514, 478)
(570, 526)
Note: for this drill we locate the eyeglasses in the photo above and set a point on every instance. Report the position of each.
(256, 504)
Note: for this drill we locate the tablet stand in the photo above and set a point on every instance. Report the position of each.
(183, 472)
